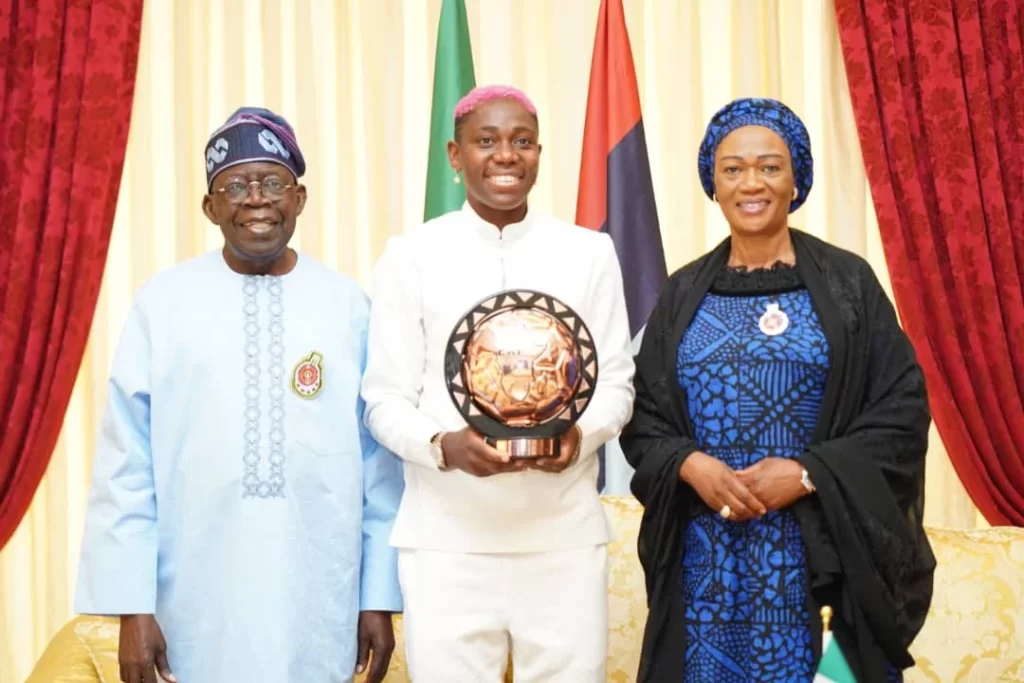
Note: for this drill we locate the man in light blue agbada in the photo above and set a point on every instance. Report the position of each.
(239, 514)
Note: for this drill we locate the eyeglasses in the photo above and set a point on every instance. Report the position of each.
(271, 188)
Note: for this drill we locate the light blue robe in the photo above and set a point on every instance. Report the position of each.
(253, 521)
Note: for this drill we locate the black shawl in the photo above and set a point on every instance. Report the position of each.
(866, 550)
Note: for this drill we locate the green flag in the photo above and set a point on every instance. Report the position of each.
(833, 667)
(453, 78)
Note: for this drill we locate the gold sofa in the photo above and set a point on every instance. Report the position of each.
(974, 633)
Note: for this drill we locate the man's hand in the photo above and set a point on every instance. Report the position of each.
(775, 482)
(466, 450)
(141, 650)
(376, 635)
(568, 443)
(719, 485)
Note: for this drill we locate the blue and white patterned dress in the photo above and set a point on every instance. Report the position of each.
(750, 395)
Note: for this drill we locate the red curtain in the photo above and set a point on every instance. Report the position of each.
(938, 94)
(66, 85)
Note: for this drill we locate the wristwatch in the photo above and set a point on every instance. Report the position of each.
(805, 479)
(437, 451)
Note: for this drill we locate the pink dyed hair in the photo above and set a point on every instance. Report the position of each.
(485, 93)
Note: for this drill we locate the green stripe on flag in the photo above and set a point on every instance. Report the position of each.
(833, 667)
(453, 78)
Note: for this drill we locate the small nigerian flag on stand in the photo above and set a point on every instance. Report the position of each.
(833, 667)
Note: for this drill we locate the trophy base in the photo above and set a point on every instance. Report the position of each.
(527, 448)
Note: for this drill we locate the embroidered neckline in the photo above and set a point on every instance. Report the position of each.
(254, 485)
(741, 281)
(777, 266)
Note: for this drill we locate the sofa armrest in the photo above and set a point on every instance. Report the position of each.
(84, 651)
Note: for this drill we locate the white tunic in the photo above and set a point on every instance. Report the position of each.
(236, 493)
(424, 283)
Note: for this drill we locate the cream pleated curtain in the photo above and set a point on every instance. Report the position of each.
(354, 78)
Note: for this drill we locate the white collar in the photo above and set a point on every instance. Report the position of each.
(490, 233)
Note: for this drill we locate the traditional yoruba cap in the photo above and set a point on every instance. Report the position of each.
(253, 134)
(772, 114)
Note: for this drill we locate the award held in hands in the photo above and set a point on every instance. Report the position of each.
(521, 367)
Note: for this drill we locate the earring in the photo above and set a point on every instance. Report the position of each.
(714, 197)
(796, 193)
(456, 179)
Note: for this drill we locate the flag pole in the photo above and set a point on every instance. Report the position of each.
(832, 667)
(826, 626)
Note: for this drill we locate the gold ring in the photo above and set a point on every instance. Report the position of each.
(726, 511)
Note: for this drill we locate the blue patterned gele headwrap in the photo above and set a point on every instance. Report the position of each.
(772, 114)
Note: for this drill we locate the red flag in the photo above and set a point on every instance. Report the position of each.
(616, 194)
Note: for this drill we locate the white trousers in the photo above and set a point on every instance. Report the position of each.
(464, 611)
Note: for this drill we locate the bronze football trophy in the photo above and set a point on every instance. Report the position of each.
(521, 367)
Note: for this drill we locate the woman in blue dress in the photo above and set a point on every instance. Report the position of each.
(778, 437)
